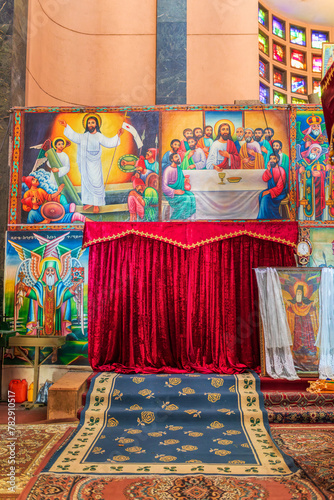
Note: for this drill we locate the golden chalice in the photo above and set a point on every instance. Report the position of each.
(221, 176)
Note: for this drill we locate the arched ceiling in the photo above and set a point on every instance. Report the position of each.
(317, 12)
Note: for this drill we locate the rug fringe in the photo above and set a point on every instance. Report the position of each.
(293, 475)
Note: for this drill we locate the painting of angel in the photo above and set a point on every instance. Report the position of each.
(47, 283)
(44, 277)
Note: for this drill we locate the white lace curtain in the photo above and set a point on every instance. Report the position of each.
(325, 338)
(277, 336)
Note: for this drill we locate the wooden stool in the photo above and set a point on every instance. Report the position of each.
(65, 395)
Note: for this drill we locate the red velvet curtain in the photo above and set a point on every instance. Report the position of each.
(156, 307)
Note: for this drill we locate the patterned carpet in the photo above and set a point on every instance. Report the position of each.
(166, 425)
(291, 414)
(32, 444)
(311, 445)
(52, 487)
(295, 405)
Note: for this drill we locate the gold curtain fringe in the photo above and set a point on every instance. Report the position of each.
(104, 239)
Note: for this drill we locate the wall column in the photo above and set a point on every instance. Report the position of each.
(19, 52)
(171, 69)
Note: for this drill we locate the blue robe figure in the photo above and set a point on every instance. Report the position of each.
(269, 206)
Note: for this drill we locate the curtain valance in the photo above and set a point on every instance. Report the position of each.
(188, 235)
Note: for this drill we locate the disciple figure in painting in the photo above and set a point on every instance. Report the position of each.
(206, 141)
(283, 159)
(194, 158)
(176, 190)
(265, 145)
(174, 147)
(302, 315)
(184, 146)
(197, 133)
(240, 133)
(269, 134)
(270, 199)
(89, 159)
(250, 152)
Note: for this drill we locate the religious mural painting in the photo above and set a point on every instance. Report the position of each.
(74, 166)
(322, 241)
(150, 164)
(309, 158)
(46, 291)
(300, 290)
(113, 164)
(327, 57)
(212, 164)
(231, 163)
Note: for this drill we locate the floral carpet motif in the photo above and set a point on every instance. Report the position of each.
(300, 415)
(298, 398)
(163, 425)
(32, 444)
(299, 407)
(312, 447)
(77, 487)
